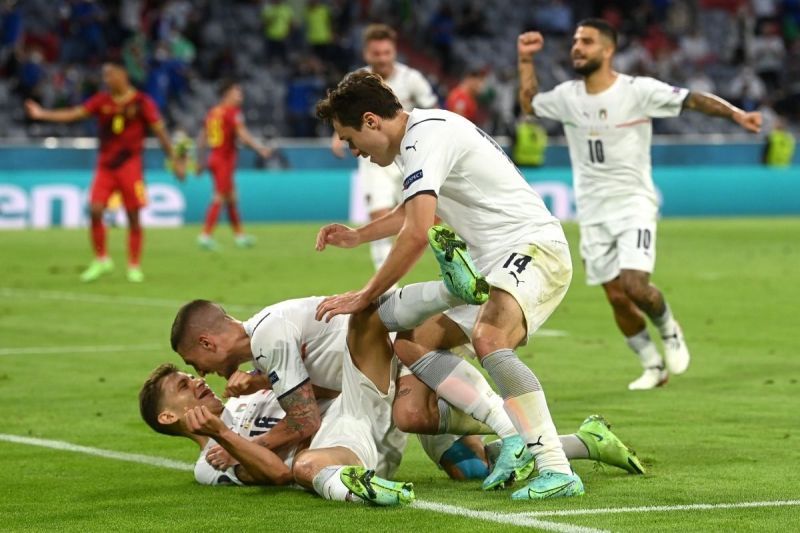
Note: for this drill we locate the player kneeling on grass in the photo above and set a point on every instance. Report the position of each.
(176, 403)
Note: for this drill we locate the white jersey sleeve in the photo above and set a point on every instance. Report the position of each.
(550, 104)
(427, 161)
(422, 93)
(659, 99)
(275, 343)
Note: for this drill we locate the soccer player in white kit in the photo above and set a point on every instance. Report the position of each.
(607, 121)
(381, 186)
(455, 171)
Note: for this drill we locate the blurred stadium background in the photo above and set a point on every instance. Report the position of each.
(747, 51)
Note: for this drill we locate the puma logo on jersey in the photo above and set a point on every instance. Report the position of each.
(414, 146)
(514, 275)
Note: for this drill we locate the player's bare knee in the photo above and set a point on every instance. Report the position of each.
(412, 418)
(96, 211)
(305, 467)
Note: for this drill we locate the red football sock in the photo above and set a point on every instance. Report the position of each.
(233, 215)
(98, 233)
(135, 237)
(211, 217)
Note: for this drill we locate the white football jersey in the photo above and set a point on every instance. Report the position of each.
(481, 193)
(249, 416)
(609, 136)
(411, 88)
(290, 347)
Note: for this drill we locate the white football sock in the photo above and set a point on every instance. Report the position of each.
(407, 307)
(574, 448)
(666, 323)
(379, 250)
(643, 346)
(328, 484)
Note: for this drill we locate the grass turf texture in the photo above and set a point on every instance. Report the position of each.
(724, 432)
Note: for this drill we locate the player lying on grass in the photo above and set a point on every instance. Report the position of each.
(348, 446)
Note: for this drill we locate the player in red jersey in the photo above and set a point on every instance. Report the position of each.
(223, 126)
(124, 116)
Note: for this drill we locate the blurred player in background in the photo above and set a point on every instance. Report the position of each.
(124, 116)
(382, 186)
(223, 126)
(463, 99)
(607, 122)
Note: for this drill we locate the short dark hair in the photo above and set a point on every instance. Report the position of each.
(379, 32)
(359, 92)
(225, 86)
(603, 27)
(181, 326)
(150, 399)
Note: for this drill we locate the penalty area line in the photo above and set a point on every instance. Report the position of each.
(663, 508)
(499, 518)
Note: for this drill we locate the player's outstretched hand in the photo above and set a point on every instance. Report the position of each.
(201, 421)
(33, 109)
(750, 121)
(219, 458)
(337, 235)
(337, 146)
(341, 304)
(241, 383)
(265, 152)
(529, 43)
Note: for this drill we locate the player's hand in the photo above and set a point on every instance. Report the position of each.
(337, 146)
(201, 421)
(337, 235)
(529, 43)
(265, 152)
(341, 304)
(34, 110)
(750, 121)
(244, 383)
(219, 458)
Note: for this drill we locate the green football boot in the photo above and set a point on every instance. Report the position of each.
(373, 489)
(606, 447)
(97, 268)
(460, 276)
(549, 484)
(514, 462)
(135, 274)
(207, 243)
(245, 241)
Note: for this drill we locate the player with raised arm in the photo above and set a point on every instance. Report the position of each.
(223, 126)
(455, 171)
(607, 121)
(124, 117)
(381, 186)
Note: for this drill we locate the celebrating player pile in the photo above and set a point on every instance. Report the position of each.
(455, 171)
(124, 115)
(607, 121)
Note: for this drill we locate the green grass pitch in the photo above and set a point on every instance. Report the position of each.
(725, 432)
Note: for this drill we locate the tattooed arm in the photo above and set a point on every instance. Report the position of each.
(301, 422)
(715, 106)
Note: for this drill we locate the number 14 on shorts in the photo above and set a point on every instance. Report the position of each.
(519, 261)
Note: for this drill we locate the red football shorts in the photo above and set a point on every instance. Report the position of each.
(127, 179)
(222, 171)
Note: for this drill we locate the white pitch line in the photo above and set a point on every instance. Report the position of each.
(79, 349)
(664, 508)
(514, 519)
(150, 460)
(95, 298)
(108, 454)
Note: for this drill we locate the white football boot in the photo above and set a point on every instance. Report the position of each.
(651, 378)
(676, 353)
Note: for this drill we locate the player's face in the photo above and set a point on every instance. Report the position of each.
(211, 355)
(182, 391)
(380, 56)
(115, 78)
(235, 96)
(370, 141)
(589, 50)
